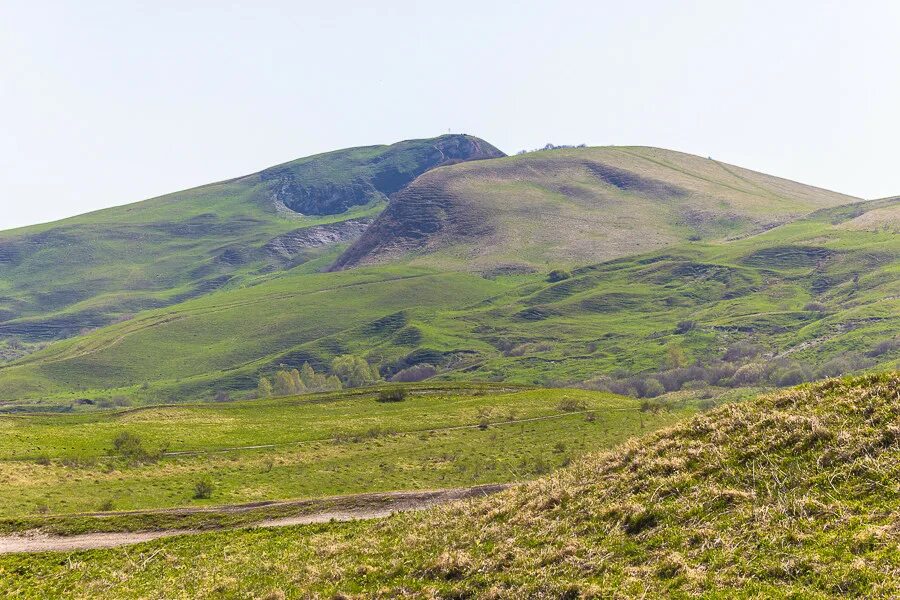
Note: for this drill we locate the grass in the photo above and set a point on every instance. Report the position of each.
(577, 206)
(811, 291)
(60, 278)
(790, 495)
(330, 444)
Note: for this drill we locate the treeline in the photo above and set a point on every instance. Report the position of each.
(742, 365)
(347, 371)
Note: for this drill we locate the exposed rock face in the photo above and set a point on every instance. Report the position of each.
(306, 189)
(289, 245)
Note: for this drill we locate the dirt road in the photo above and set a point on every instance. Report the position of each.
(340, 508)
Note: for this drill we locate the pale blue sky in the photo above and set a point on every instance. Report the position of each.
(105, 103)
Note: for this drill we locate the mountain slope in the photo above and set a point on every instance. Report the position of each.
(786, 496)
(58, 278)
(576, 206)
(810, 297)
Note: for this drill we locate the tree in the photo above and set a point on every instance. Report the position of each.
(308, 376)
(284, 384)
(299, 386)
(354, 371)
(264, 389)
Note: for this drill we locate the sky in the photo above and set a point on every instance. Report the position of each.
(109, 102)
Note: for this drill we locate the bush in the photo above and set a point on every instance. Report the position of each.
(742, 351)
(557, 275)
(203, 489)
(884, 347)
(815, 307)
(416, 373)
(392, 395)
(653, 388)
(685, 326)
(129, 446)
(788, 376)
(571, 405)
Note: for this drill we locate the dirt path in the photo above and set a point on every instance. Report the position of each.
(340, 508)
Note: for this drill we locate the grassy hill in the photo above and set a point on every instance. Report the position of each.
(576, 206)
(87, 271)
(789, 495)
(811, 298)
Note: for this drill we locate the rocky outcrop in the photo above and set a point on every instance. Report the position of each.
(333, 183)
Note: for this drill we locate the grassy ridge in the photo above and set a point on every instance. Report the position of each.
(790, 495)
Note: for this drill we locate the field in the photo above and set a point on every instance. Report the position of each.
(789, 495)
(54, 466)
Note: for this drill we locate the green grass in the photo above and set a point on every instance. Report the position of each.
(329, 444)
(812, 290)
(80, 273)
(790, 495)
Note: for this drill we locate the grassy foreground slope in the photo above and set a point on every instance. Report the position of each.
(575, 206)
(790, 495)
(58, 278)
(818, 292)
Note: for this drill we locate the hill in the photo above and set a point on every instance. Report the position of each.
(789, 495)
(60, 278)
(815, 297)
(576, 206)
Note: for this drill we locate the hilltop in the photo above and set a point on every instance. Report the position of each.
(789, 495)
(576, 206)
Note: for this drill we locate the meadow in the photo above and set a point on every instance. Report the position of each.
(303, 447)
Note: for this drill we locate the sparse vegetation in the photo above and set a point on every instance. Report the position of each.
(203, 489)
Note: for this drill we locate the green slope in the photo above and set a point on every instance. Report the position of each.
(576, 206)
(792, 495)
(59, 278)
(812, 294)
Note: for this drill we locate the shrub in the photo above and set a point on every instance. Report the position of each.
(742, 351)
(571, 405)
(557, 275)
(129, 446)
(685, 326)
(222, 396)
(653, 388)
(203, 489)
(815, 307)
(884, 347)
(392, 395)
(788, 376)
(415, 373)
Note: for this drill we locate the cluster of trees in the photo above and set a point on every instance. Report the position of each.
(742, 365)
(346, 371)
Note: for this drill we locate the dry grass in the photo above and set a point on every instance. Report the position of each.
(791, 495)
